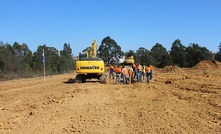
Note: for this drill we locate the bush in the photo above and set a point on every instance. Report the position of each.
(218, 56)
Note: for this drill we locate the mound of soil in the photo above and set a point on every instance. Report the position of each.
(208, 64)
(171, 69)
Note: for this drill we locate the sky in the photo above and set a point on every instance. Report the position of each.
(131, 23)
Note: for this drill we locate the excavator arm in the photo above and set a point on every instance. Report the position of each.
(93, 50)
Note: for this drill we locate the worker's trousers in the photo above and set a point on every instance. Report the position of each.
(118, 78)
(139, 76)
(148, 77)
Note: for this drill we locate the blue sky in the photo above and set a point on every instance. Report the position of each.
(131, 23)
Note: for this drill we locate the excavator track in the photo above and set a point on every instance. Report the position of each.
(80, 78)
(103, 79)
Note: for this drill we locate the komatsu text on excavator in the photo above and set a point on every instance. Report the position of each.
(89, 66)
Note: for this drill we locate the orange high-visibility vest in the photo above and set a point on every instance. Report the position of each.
(124, 71)
(111, 67)
(117, 70)
(130, 71)
(148, 69)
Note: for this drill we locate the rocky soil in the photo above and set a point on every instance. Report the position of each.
(177, 101)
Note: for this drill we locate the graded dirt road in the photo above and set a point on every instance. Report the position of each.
(177, 101)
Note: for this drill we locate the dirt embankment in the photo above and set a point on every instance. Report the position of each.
(210, 64)
(173, 103)
(171, 69)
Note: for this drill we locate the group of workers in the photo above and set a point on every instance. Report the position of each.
(132, 72)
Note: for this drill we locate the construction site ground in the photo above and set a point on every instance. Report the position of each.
(178, 101)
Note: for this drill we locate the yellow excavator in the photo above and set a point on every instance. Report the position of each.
(129, 60)
(89, 66)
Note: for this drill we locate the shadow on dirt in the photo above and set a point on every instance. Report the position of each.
(70, 81)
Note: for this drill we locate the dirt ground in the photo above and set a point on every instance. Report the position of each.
(177, 101)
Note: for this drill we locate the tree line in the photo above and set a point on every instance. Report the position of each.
(159, 56)
(18, 60)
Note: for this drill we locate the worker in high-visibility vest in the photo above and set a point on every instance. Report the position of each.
(117, 70)
(134, 66)
(111, 74)
(124, 73)
(139, 73)
(151, 72)
(148, 71)
(143, 72)
(130, 73)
